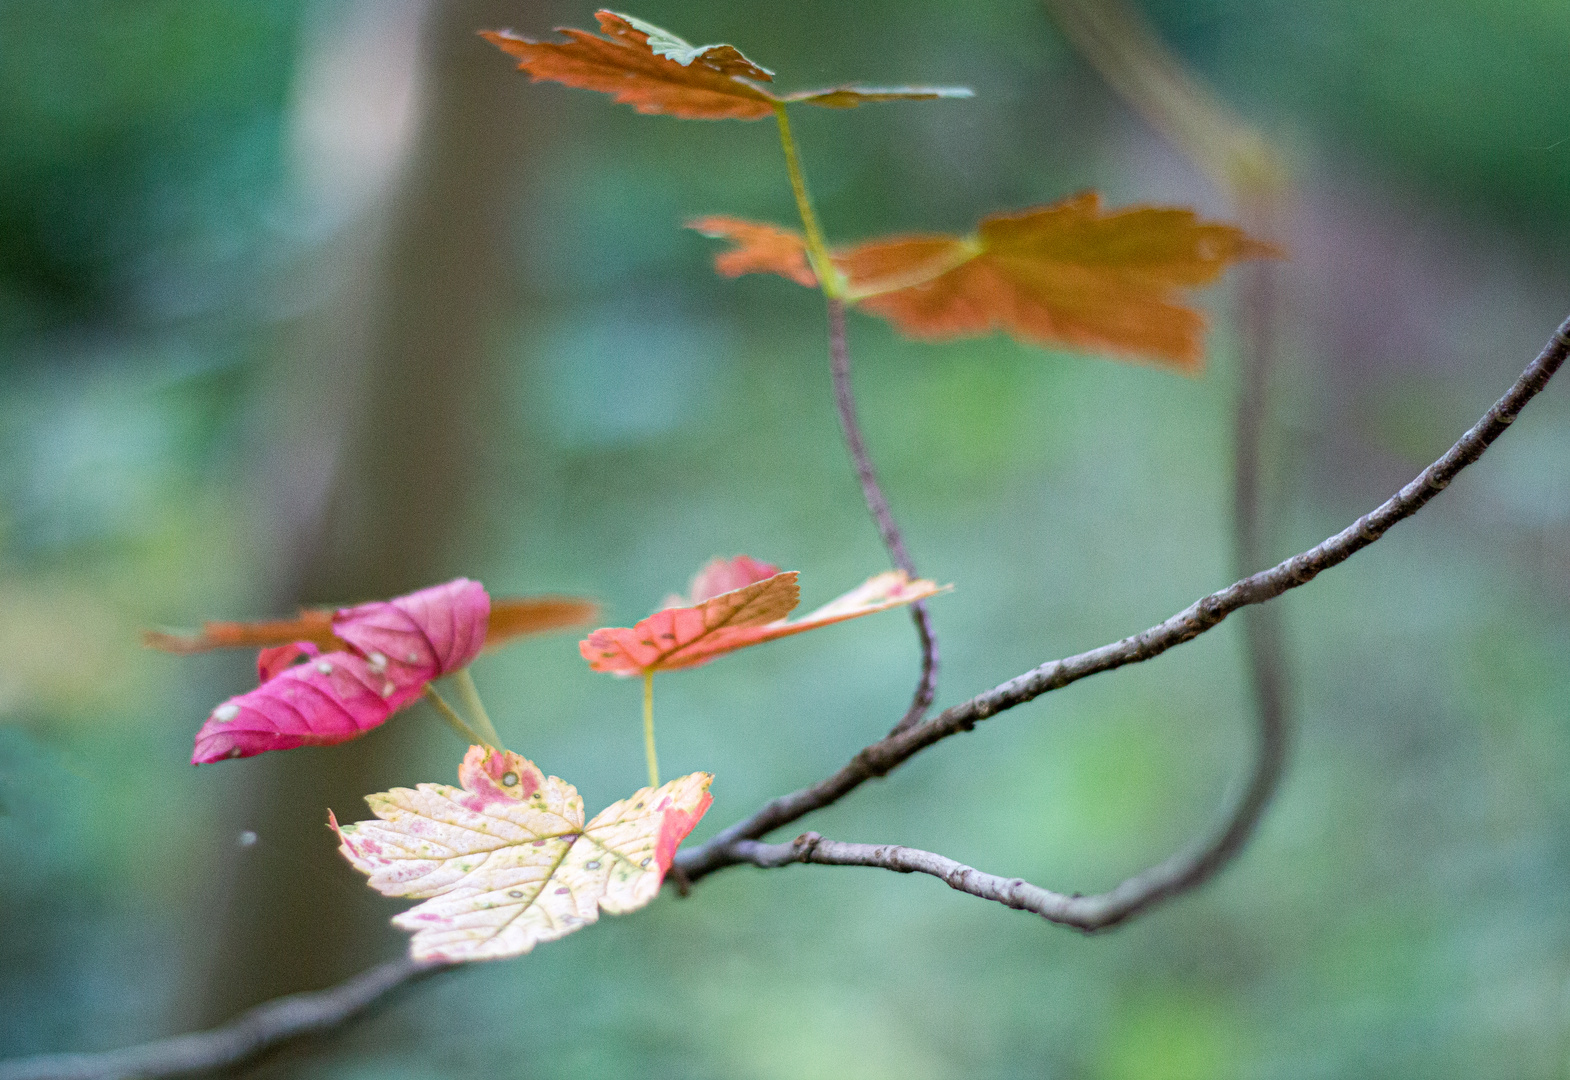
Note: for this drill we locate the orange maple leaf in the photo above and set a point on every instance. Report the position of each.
(655, 71)
(707, 624)
(1068, 274)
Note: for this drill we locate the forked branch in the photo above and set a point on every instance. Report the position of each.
(1205, 613)
(1101, 911)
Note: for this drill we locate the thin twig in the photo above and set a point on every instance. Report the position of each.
(1089, 913)
(234, 1043)
(1202, 615)
(845, 398)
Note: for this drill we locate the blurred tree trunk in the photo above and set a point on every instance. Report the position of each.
(411, 342)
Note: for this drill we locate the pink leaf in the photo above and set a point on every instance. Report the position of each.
(424, 635)
(394, 648)
(330, 700)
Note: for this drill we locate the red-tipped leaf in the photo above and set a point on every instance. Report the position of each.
(710, 626)
(506, 861)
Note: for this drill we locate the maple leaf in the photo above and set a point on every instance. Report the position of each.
(655, 71)
(707, 624)
(506, 861)
(1068, 274)
(385, 654)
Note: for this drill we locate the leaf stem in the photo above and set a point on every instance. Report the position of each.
(648, 729)
(454, 721)
(476, 708)
(829, 278)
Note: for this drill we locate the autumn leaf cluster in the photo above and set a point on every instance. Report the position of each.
(509, 858)
(506, 860)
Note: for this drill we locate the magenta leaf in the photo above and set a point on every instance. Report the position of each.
(419, 637)
(397, 647)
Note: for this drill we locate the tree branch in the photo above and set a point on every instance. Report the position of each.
(236, 1042)
(1202, 615)
(1089, 913)
(845, 398)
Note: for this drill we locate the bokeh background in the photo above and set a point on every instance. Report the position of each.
(318, 300)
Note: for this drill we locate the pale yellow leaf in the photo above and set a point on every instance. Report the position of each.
(506, 861)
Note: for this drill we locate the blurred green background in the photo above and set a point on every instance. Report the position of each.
(317, 300)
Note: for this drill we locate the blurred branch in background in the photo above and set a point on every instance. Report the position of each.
(1127, 52)
(407, 344)
(1155, 83)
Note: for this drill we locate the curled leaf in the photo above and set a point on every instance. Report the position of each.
(332, 699)
(1068, 275)
(655, 71)
(712, 625)
(505, 861)
(386, 653)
